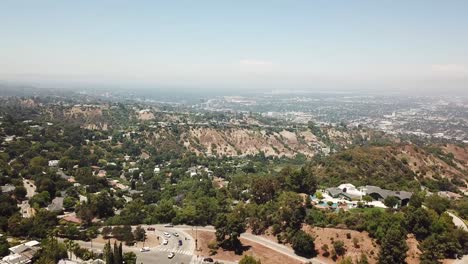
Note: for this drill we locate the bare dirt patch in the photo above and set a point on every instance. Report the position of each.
(265, 254)
(364, 244)
(413, 253)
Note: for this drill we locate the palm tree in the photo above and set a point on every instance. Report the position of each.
(69, 245)
(90, 233)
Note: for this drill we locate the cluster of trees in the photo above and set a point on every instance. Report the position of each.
(51, 251)
(124, 233)
(432, 227)
(257, 196)
(115, 255)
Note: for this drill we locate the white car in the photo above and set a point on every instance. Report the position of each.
(165, 242)
(144, 249)
(171, 255)
(176, 234)
(166, 234)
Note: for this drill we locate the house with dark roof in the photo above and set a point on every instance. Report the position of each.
(345, 191)
(380, 194)
(336, 192)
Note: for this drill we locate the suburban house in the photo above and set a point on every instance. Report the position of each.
(345, 191)
(348, 193)
(53, 163)
(8, 188)
(56, 205)
(22, 253)
(380, 194)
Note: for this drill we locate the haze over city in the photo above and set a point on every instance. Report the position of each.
(372, 46)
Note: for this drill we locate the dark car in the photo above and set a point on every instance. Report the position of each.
(208, 260)
(151, 229)
(180, 242)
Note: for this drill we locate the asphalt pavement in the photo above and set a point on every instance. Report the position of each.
(182, 254)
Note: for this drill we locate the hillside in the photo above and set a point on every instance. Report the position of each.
(402, 166)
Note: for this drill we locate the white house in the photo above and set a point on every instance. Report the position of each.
(53, 163)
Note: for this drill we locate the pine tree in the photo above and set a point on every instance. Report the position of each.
(117, 255)
(120, 251)
(108, 256)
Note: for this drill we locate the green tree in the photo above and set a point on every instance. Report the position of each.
(118, 258)
(417, 199)
(4, 246)
(108, 254)
(437, 203)
(139, 233)
(249, 260)
(52, 251)
(69, 202)
(367, 198)
(393, 246)
(419, 222)
(339, 247)
(20, 192)
(291, 212)
(391, 201)
(303, 244)
(129, 258)
(106, 231)
(229, 227)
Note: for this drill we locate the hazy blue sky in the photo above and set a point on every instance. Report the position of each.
(237, 44)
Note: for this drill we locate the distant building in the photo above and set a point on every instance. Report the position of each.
(22, 253)
(56, 205)
(132, 170)
(449, 195)
(8, 188)
(380, 194)
(346, 191)
(102, 173)
(53, 163)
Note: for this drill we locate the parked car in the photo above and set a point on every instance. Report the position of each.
(151, 229)
(144, 249)
(171, 255)
(166, 234)
(176, 234)
(169, 225)
(165, 242)
(208, 260)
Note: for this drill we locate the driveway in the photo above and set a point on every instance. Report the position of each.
(458, 221)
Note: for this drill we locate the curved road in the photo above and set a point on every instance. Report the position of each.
(263, 241)
(185, 254)
(461, 224)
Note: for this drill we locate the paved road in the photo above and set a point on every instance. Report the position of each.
(30, 188)
(186, 254)
(159, 254)
(265, 242)
(458, 221)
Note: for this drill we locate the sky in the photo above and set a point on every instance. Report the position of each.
(242, 45)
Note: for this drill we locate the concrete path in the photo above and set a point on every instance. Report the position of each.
(458, 221)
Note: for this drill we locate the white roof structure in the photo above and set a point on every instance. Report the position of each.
(351, 189)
